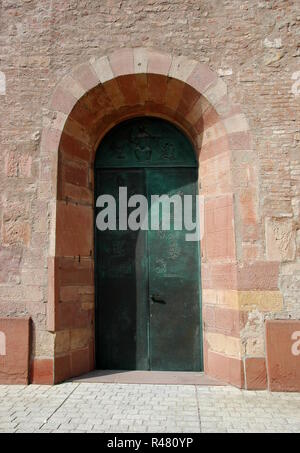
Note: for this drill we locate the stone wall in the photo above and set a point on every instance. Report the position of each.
(254, 47)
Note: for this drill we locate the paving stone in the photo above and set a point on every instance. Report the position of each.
(145, 408)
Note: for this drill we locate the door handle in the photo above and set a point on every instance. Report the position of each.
(157, 299)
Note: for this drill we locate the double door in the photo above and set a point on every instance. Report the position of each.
(147, 280)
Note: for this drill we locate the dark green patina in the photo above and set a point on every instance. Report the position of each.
(147, 282)
(145, 142)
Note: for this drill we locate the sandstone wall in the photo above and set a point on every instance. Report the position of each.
(253, 45)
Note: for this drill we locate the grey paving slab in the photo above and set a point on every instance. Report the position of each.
(113, 408)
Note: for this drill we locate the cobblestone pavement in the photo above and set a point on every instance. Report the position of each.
(73, 407)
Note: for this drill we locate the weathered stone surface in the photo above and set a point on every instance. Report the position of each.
(256, 374)
(14, 350)
(42, 371)
(80, 338)
(224, 344)
(280, 239)
(225, 368)
(283, 355)
(10, 259)
(43, 343)
(62, 341)
(74, 227)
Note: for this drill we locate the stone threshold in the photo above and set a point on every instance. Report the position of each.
(147, 377)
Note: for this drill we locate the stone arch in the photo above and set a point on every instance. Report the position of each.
(89, 101)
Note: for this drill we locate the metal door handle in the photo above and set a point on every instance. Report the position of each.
(157, 299)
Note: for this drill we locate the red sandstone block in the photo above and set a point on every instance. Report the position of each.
(158, 63)
(256, 374)
(77, 293)
(74, 224)
(209, 318)
(227, 369)
(160, 110)
(229, 321)
(128, 87)
(223, 215)
(141, 85)
(224, 320)
(42, 371)
(75, 174)
(76, 271)
(199, 126)
(201, 78)
(157, 88)
(283, 355)
(78, 131)
(189, 98)
(114, 94)
(82, 115)
(14, 350)
(77, 194)
(220, 202)
(74, 148)
(174, 93)
(126, 112)
(80, 362)
(219, 275)
(86, 76)
(258, 275)
(121, 62)
(220, 244)
(214, 148)
(210, 117)
(50, 140)
(187, 127)
(71, 315)
(62, 101)
(73, 364)
(218, 214)
(62, 368)
(236, 372)
(219, 233)
(97, 100)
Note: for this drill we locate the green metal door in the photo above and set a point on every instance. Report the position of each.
(121, 282)
(173, 281)
(147, 281)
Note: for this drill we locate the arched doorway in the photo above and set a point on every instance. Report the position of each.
(86, 104)
(147, 274)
